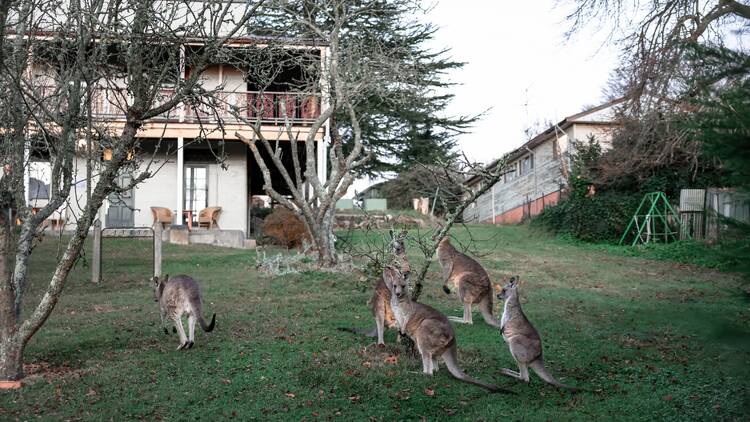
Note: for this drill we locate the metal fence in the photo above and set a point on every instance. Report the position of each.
(703, 210)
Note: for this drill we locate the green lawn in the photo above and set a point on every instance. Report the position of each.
(660, 340)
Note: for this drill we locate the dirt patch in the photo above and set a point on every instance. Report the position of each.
(49, 372)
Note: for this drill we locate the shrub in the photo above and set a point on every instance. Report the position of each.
(599, 218)
(285, 228)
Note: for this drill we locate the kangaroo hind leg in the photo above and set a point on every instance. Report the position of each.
(180, 332)
(191, 330)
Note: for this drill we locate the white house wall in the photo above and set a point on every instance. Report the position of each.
(158, 191)
(227, 188)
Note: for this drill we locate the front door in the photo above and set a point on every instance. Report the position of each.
(120, 212)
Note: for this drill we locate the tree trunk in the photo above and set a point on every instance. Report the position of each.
(322, 234)
(11, 358)
(11, 349)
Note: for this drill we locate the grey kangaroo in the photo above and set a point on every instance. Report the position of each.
(522, 338)
(381, 296)
(469, 278)
(431, 331)
(177, 296)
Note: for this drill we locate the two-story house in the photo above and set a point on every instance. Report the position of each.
(187, 177)
(537, 172)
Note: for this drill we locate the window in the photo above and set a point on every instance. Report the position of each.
(527, 164)
(196, 188)
(512, 172)
(40, 178)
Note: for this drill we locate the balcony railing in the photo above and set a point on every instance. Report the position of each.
(268, 107)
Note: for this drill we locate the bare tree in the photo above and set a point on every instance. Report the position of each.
(350, 72)
(130, 49)
(655, 37)
(455, 204)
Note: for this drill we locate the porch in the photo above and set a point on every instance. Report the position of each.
(197, 176)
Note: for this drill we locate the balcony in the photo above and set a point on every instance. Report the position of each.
(268, 107)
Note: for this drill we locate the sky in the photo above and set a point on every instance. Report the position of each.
(520, 70)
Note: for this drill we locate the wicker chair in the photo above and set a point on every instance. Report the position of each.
(161, 215)
(209, 217)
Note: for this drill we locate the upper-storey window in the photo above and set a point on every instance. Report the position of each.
(512, 172)
(526, 164)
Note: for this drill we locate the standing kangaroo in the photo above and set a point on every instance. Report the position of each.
(177, 296)
(522, 338)
(469, 278)
(381, 297)
(430, 330)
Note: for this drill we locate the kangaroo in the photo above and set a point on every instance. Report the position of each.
(177, 296)
(430, 330)
(469, 278)
(380, 302)
(522, 338)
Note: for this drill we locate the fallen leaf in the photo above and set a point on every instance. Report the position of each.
(290, 394)
(430, 392)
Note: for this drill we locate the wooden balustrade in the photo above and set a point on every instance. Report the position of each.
(271, 107)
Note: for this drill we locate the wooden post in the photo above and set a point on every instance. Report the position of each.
(157, 248)
(96, 261)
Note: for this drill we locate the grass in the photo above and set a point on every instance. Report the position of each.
(659, 339)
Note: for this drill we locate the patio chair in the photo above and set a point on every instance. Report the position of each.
(161, 215)
(209, 217)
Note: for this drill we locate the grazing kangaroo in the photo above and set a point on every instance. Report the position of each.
(177, 296)
(381, 296)
(522, 338)
(469, 278)
(430, 330)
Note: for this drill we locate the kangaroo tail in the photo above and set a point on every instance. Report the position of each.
(538, 367)
(369, 333)
(451, 362)
(207, 327)
(485, 307)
